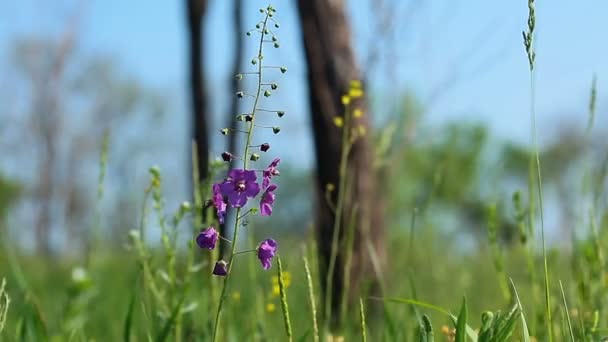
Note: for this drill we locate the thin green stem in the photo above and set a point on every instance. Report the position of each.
(338, 219)
(237, 221)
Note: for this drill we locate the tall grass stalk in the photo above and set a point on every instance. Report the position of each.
(363, 325)
(284, 304)
(311, 299)
(335, 241)
(237, 221)
(530, 51)
(5, 302)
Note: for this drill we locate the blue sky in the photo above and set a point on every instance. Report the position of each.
(477, 42)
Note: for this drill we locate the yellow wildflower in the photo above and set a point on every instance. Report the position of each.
(236, 295)
(338, 121)
(276, 290)
(345, 99)
(355, 92)
(357, 113)
(270, 307)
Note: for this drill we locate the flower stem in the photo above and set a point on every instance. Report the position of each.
(338, 218)
(237, 221)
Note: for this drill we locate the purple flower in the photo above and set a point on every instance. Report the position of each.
(267, 200)
(218, 202)
(221, 268)
(266, 251)
(207, 238)
(240, 185)
(270, 172)
(265, 147)
(227, 156)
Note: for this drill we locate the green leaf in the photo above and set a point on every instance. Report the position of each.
(525, 334)
(129, 318)
(162, 336)
(461, 323)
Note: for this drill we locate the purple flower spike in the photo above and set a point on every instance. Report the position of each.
(240, 185)
(267, 200)
(270, 172)
(221, 268)
(207, 238)
(266, 251)
(218, 202)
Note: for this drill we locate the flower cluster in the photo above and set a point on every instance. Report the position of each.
(208, 238)
(244, 184)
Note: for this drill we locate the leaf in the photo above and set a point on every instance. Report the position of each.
(525, 334)
(129, 318)
(469, 331)
(461, 323)
(162, 336)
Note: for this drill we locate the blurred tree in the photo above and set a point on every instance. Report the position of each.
(237, 24)
(69, 101)
(331, 67)
(196, 10)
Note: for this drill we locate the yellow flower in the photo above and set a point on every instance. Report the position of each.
(276, 290)
(330, 187)
(270, 307)
(275, 280)
(357, 113)
(362, 130)
(236, 295)
(345, 99)
(355, 92)
(338, 121)
(355, 84)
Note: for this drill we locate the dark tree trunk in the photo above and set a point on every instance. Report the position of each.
(237, 24)
(331, 67)
(196, 11)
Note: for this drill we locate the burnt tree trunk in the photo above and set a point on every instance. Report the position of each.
(238, 30)
(331, 66)
(195, 12)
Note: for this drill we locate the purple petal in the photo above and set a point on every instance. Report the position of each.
(237, 199)
(253, 189)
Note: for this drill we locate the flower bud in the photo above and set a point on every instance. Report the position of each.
(276, 129)
(254, 157)
(276, 25)
(240, 117)
(267, 93)
(280, 113)
(238, 77)
(240, 94)
(254, 61)
(221, 268)
(248, 117)
(274, 86)
(283, 70)
(265, 147)
(227, 156)
(224, 131)
(276, 45)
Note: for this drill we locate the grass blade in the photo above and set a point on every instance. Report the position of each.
(162, 336)
(469, 331)
(461, 323)
(570, 330)
(525, 333)
(129, 318)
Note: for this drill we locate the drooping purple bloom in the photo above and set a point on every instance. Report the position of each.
(207, 238)
(270, 172)
(267, 200)
(266, 251)
(218, 202)
(221, 268)
(240, 185)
